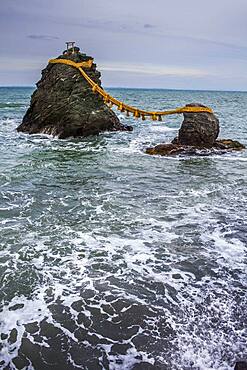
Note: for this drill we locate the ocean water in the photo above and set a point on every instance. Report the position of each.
(113, 259)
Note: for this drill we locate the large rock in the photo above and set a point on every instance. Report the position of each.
(64, 105)
(199, 129)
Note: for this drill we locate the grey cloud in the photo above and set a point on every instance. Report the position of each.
(148, 25)
(177, 35)
(42, 37)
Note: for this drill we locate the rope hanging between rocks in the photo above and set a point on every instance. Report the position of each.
(122, 107)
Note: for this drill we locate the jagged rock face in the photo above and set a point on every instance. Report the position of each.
(198, 129)
(64, 105)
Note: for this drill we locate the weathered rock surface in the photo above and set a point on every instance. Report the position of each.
(197, 136)
(199, 129)
(227, 144)
(219, 147)
(64, 105)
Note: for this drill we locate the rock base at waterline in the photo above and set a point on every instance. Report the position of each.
(219, 147)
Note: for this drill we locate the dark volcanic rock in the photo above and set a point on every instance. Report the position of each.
(227, 144)
(165, 149)
(64, 105)
(198, 129)
(219, 147)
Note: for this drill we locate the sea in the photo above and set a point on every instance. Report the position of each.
(112, 259)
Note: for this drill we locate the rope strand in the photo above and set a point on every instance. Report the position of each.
(110, 100)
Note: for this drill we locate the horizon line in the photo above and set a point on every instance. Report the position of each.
(138, 88)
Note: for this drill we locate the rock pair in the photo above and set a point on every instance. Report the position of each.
(64, 105)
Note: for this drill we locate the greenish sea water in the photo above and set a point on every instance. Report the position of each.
(113, 259)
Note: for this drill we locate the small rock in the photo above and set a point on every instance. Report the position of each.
(198, 129)
(165, 149)
(219, 147)
(197, 136)
(228, 144)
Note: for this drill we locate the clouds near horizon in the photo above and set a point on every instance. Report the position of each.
(135, 43)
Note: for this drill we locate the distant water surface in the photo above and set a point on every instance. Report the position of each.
(110, 258)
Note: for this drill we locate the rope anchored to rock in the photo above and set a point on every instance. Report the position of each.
(122, 107)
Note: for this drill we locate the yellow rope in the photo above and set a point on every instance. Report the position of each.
(87, 64)
(108, 99)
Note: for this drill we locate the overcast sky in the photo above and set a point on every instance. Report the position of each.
(181, 44)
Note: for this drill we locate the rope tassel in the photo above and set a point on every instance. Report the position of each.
(121, 107)
(106, 98)
(137, 114)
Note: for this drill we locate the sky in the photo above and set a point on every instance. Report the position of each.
(174, 44)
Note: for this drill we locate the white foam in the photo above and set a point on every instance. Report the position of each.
(226, 250)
